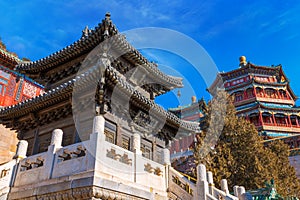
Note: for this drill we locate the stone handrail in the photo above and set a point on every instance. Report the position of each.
(180, 186)
(211, 197)
(6, 175)
(33, 162)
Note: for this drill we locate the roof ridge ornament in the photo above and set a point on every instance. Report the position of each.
(107, 21)
(85, 31)
(243, 61)
(107, 16)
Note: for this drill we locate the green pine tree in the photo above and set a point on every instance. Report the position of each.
(239, 154)
(285, 179)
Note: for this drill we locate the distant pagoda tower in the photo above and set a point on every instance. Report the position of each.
(192, 112)
(263, 95)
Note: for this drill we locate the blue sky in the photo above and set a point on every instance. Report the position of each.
(266, 32)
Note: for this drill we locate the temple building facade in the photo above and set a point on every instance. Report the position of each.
(96, 132)
(182, 149)
(14, 88)
(262, 95)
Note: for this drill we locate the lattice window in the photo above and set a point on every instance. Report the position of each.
(158, 155)
(249, 92)
(126, 142)
(259, 92)
(270, 92)
(146, 151)
(294, 120)
(110, 132)
(238, 96)
(109, 136)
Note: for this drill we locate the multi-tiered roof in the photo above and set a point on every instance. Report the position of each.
(262, 94)
(58, 72)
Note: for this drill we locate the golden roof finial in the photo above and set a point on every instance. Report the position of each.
(194, 99)
(243, 61)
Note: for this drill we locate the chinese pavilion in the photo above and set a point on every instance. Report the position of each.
(181, 149)
(263, 95)
(96, 132)
(192, 112)
(14, 88)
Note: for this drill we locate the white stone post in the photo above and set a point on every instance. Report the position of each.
(241, 190)
(48, 159)
(202, 184)
(56, 140)
(21, 149)
(99, 124)
(201, 175)
(166, 157)
(224, 186)
(210, 178)
(57, 136)
(235, 190)
(167, 162)
(210, 181)
(136, 144)
(96, 147)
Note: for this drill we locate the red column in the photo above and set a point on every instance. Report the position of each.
(297, 121)
(278, 94)
(264, 93)
(254, 91)
(274, 120)
(286, 121)
(289, 119)
(260, 118)
(245, 95)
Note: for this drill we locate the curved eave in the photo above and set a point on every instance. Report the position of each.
(90, 41)
(296, 109)
(292, 92)
(171, 118)
(134, 56)
(258, 105)
(64, 92)
(243, 70)
(83, 45)
(8, 60)
(218, 82)
(21, 75)
(30, 105)
(251, 81)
